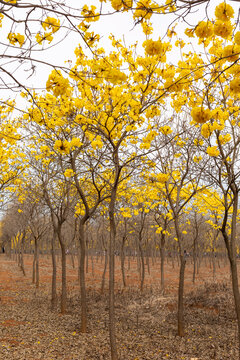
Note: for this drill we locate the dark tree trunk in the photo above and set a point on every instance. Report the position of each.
(104, 272)
(37, 263)
(54, 274)
(82, 243)
(112, 325)
(180, 296)
(162, 255)
(122, 261)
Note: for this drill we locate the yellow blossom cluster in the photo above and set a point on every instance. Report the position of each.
(223, 139)
(212, 151)
(237, 38)
(147, 27)
(166, 130)
(16, 38)
(223, 29)
(206, 130)
(204, 29)
(156, 48)
(121, 4)
(1, 18)
(200, 115)
(62, 146)
(144, 9)
(197, 159)
(224, 12)
(68, 173)
(36, 115)
(57, 83)
(46, 36)
(235, 85)
(51, 24)
(90, 14)
(162, 178)
(115, 76)
(231, 52)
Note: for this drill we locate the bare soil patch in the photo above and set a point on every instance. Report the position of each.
(146, 322)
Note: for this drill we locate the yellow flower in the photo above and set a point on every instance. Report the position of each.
(197, 159)
(224, 138)
(36, 116)
(46, 36)
(16, 38)
(200, 115)
(162, 178)
(231, 52)
(189, 32)
(224, 12)
(165, 130)
(156, 48)
(68, 173)
(237, 38)
(51, 23)
(57, 83)
(75, 142)
(1, 17)
(206, 130)
(204, 29)
(143, 9)
(213, 151)
(89, 13)
(97, 143)
(117, 4)
(223, 29)
(235, 85)
(147, 28)
(63, 147)
(199, 142)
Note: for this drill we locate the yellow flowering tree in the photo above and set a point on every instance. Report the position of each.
(12, 158)
(213, 104)
(176, 158)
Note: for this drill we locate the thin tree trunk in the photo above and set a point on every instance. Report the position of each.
(72, 259)
(142, 267)
(112, 329)
(104, 272)
(22, 256)
(64, 277)
(34, 266)
(232, 254)
(37, 263)
(54, 274)
(194, 259)
(83, 328)
(122, 261)
(162, 255)
(180, 296)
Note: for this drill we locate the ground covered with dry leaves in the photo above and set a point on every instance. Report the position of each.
(146, 322)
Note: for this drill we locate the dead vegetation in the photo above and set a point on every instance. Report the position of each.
(146, 322)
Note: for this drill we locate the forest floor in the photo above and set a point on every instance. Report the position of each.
(146, 321)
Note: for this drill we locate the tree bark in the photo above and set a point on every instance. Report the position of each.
(37, 263)
(104, 272)
(112, 330)
(142, 266)
(162, 255)
(54, 274)
(232, 255)
(64, 273)
(122, 261)
(180, 296)
(82, 244)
